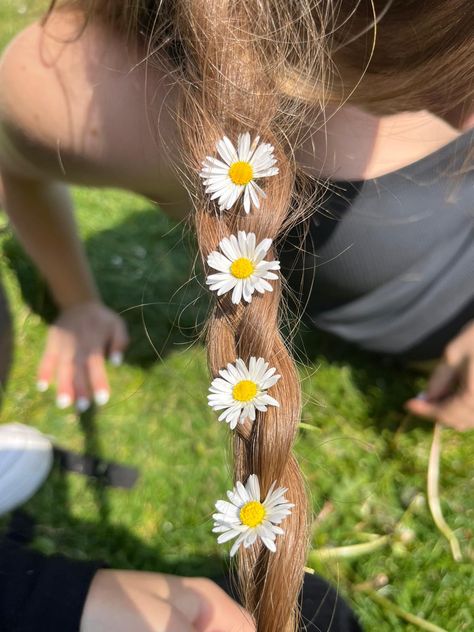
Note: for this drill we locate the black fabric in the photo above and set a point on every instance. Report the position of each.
(41, 594)
(47, 594)
(387, 263)
(322, 607)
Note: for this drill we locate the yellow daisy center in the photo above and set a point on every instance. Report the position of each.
(241, 172)
(244, 391)
(252, 514)
(242, 268)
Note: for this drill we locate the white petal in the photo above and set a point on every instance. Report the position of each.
(253, 194)
(242, 369)
(225, 537)
(237, 293)
(217, 261)
(228, 509)
(262, 249)
(270, 544)
(247, 290)
(228, 247)
(235, 194)
(253, 487)
(247, 199)
(251, 538)
(244, 147)
(237, 543)
(227, 151)
(242, 492)
(242, 241)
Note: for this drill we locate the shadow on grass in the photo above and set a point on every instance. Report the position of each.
(144, 270)
(56, 530)
(385, 383)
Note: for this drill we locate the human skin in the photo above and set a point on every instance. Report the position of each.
(88, 110)
(121, 601)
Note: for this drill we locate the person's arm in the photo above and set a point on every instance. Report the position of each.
(40, 594)
(120, 601)
(40, 209)
(42, 215)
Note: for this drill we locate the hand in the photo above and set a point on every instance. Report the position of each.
(121, 601)
(449, 396)
(74, 354)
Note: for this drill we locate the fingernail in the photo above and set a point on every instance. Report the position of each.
(422, 395)
(101, 397)
(63, 401)
(42, 386)
(116, 358)
(82, 404)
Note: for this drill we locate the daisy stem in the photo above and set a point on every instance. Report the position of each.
(386, 604)
(306, 426)
(433, 495)
(349, 551)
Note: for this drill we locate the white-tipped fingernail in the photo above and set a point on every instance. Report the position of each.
(422, 396)
(83, 404)
(101, 397)
(63, 401)
(42, 386)
(116, 358)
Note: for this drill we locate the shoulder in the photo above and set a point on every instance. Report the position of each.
(84, 93)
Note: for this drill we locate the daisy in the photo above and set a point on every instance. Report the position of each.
(247, 518)
(236, 173)
(241, 391)
(242, 267)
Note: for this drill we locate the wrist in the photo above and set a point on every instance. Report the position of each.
(66, 301)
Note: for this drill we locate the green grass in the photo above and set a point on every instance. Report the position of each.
(360, 466)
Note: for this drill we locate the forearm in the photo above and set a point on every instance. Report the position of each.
(42, 215)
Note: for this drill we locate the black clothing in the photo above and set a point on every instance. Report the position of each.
(388, 263)
(41, 594)
(322, 608)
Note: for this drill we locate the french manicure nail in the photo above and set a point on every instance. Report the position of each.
(42, 386)
(63, 401)
(116, 358)
(101, 397)
(82, 404)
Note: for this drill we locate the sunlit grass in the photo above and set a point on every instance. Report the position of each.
(363, 462)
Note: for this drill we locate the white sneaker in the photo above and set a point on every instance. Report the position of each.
(26, 458)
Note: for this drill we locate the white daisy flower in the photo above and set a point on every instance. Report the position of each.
(241, 268)
(247, 518)
(236, 173)
(240, 391)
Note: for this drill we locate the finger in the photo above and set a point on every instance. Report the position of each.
(458, 413)
(454, 412)
(443, 382)
(422, 407)
(65, 382)
(118, 343)
(46, 370)
(81, 387)
(98, 378)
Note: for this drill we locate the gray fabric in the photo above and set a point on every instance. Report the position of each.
(393, 258)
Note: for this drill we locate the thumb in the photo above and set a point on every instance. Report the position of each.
(442, 382)
(422, 408)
